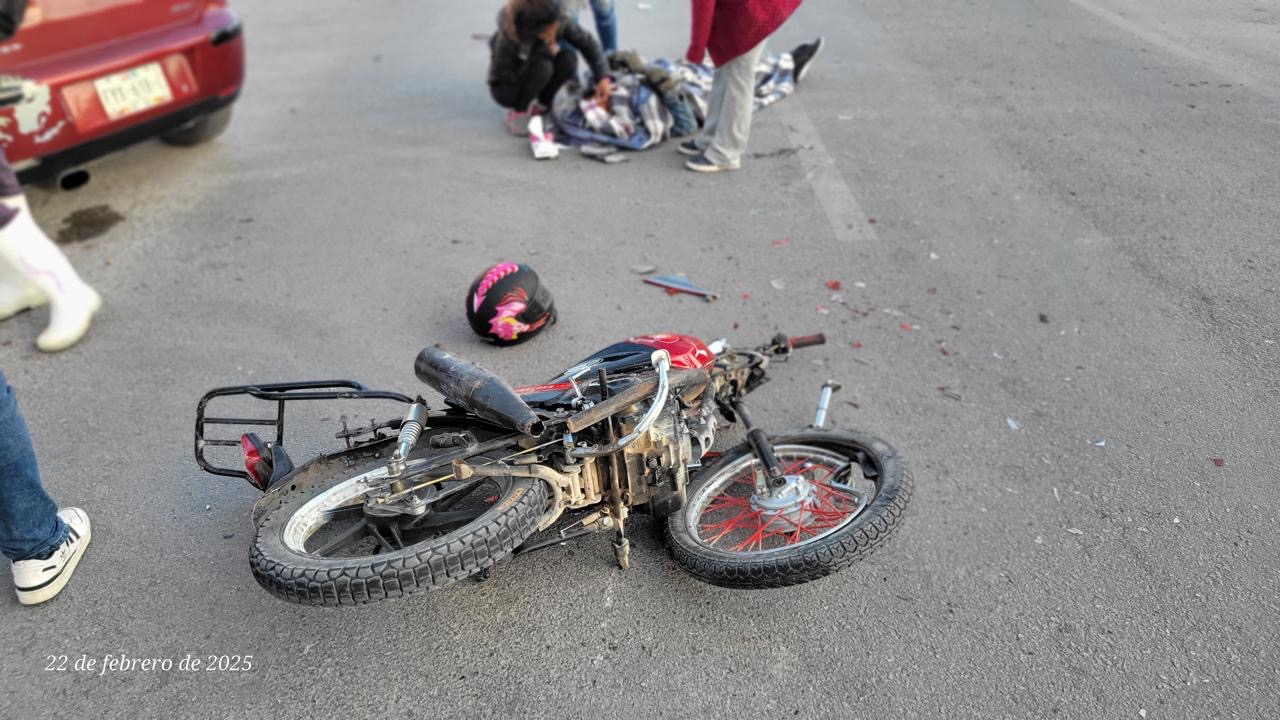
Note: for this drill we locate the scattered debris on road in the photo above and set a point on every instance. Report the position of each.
(676, 284)
(1013, 424)
(949, 394)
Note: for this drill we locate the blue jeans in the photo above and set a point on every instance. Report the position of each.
(606, 16)
(29, 522)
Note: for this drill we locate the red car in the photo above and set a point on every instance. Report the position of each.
(100, 75)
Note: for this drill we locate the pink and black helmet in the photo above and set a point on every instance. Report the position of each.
(507, 304)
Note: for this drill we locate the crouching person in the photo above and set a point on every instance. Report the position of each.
(534, 53)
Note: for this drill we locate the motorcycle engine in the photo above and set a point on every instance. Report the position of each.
(657, 462)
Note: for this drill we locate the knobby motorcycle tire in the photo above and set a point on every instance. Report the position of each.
(429, 564)
(784, 567)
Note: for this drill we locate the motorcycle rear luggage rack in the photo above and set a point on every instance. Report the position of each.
(279, 393)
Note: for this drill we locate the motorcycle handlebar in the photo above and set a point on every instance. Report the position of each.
(804, 341)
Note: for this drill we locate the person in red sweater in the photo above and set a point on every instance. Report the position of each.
(734, 33)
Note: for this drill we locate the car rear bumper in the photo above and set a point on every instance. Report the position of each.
(53, 165)
(203, 63)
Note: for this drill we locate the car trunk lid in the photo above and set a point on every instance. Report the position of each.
(56, 27)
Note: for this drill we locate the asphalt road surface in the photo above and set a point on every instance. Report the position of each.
(1061, 211)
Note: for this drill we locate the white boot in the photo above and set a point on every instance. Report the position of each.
(16, 294)
(25, 247)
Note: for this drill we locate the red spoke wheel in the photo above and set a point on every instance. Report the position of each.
(844, 493)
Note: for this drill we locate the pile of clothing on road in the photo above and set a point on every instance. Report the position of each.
(652, 102)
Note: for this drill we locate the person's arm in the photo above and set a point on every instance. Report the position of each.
(703, 13)
(11, 13)
(573, 33)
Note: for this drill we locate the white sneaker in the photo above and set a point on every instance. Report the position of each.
(41, 579)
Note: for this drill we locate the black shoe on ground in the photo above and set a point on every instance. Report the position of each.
(804, 55)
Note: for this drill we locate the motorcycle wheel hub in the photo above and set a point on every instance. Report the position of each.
(789, 501)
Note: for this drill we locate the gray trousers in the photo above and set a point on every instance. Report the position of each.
(733, 96)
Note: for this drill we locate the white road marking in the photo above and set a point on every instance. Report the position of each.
(844, 213)
(1174, 48)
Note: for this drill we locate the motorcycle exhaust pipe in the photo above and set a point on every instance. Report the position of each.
(477, 390)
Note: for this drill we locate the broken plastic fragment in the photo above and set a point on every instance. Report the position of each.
(778, 284)
(1075, 531)
(823, 311)
(680, 284)
(643, 269)
(905, 326)
(856, 344)
(1219, 462)
(834, 285)
(782, 243)
(1013, 424)
(1100, 443)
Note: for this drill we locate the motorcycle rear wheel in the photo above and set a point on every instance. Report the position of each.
(289, 559)
(852, 491)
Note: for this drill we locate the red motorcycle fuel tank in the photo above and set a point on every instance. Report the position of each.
(631, 356)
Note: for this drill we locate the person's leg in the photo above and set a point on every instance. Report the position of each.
(565, 68)
(29, 524)
(25, 247)
(533, 77)
(715, 101)
(733, 126)
(16, 294)
(606, 15)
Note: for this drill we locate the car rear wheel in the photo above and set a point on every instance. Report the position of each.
(200, 130)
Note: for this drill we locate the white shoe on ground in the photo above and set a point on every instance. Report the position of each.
(41, 579)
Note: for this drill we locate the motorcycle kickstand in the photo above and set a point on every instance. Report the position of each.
(621, 545)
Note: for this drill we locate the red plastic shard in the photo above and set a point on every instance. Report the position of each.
(905, 326)
(856, 344)
(834, 285)
(1219, 462)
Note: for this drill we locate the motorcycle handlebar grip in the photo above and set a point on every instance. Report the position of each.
(806, 341)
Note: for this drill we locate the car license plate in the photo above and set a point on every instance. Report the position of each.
(133, 90)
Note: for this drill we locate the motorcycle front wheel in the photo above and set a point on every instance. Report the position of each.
(317, 545)
(845, 493)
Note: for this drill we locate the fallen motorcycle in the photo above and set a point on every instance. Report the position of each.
(436, 496)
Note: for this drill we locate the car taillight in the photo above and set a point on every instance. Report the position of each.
(252, 457)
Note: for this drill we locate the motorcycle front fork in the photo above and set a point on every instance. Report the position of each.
(769, 475)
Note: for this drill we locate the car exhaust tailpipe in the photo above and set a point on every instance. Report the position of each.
(73, 179)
